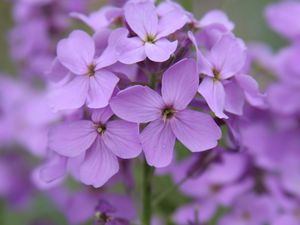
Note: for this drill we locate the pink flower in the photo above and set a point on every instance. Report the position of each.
(168, 114)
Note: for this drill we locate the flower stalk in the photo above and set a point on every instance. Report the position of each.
(147, 194)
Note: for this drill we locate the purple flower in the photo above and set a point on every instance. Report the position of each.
(96, 143)
(251, 209)
(224, 86)
(283, 16)
(168, 115)
(115, 209)
(88, 81)
(151, 31)
(195, 213)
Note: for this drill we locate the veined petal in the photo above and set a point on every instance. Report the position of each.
(102, 85)
(142, 18)
(99, 165)
(196, 130)
(138, 104)
(214, 94)
(73, 138)
(76, 52)
(161, 50)
(123, 139)
(158, 143)
(72, 95)
(180, 83)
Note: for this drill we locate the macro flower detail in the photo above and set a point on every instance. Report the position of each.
(98, 142)
(151, 33)
(168, 114)
(88, 81)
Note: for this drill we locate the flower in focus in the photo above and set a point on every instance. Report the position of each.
(151, 33)
(87, 82)
(168, 114)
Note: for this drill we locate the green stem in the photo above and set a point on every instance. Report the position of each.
(147, 194)
(2, 211)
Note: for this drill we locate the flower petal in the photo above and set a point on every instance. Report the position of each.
(99, 165)
(214, 94)
(122, 138)
(204, 66)
(131, 50)
(138, 104)
(54, 169)
(180, 83)
(161, 50)
(102, 85)
(196, 130)
(235, 99)
(72, 95)
(171, 22)
(142, 18)
(251, 90)
(73, 138)
(110, 53)
(158, 143)
(76, 52)
(228, 56)
(102, 115)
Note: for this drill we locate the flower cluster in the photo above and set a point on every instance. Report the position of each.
(145, 89)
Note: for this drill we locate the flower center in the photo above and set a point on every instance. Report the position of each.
(150, 39)
(91, 70)
(217, 75)
(100, 128)
(168, 113)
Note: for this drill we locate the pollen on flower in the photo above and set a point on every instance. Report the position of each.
(91, 70)
(217, 75)
(100, 128)
(150, 38)
(168, 113)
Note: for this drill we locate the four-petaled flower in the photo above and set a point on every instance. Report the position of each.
(151, 31)
(168, 114)
(88, 82)
(96, 143)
